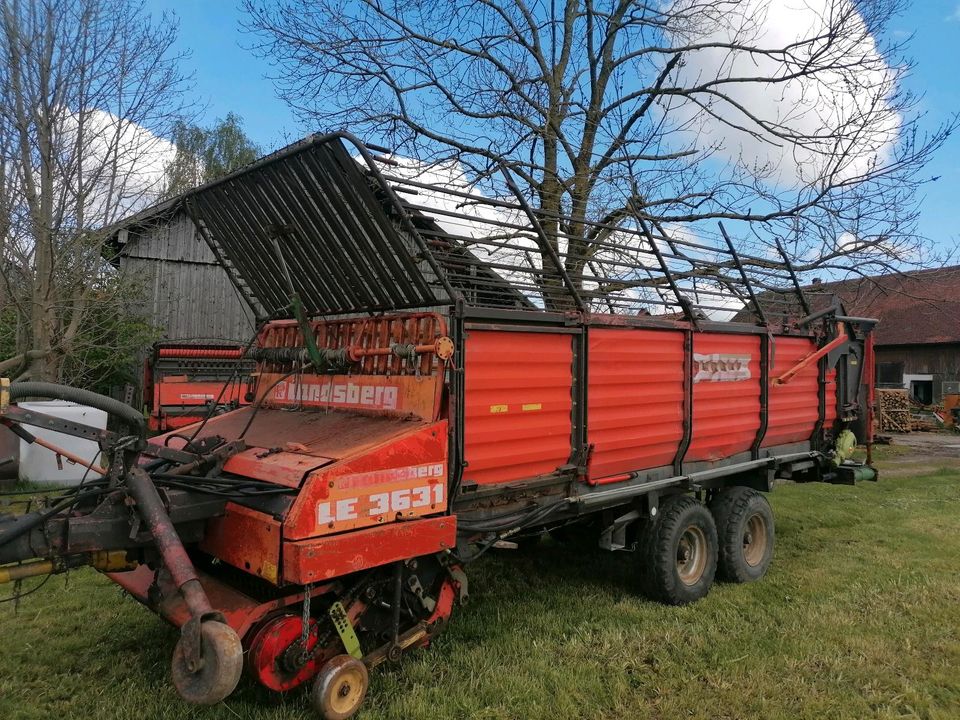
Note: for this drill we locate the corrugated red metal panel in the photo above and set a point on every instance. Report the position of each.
(518, 403)
(794, 407)
(634, 399)
(726, 395)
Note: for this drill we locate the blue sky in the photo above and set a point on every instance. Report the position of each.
(228, 77)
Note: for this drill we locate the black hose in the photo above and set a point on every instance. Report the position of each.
(110, 406)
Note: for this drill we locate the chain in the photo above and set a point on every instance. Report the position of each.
(305, 621)
(323, 637)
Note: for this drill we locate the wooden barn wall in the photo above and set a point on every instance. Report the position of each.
(940, 360)
(187, 293)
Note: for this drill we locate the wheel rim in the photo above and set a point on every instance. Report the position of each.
(346, 693)
(755, 539)
(691, 555)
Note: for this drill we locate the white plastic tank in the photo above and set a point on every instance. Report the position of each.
(40, 465)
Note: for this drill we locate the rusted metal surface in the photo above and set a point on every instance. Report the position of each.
(271, 646)
(321, 559)
(175, 559)
(247, 539)
(517, 405)
(635, 400)
(325, 435)
(281, 467)
(358, 335)
(240, 611)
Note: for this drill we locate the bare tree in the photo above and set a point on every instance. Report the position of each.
(88, 89)
(788, 121)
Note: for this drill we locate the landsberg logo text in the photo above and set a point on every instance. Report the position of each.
(720, 367)
(339, 393)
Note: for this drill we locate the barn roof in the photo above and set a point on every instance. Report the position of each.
(914, 308)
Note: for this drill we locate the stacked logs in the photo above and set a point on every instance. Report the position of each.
(893, 411)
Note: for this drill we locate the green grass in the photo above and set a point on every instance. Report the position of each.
(859, 617)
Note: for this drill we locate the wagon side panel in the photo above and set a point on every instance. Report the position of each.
(794, 406)
(635, 400)
(517, 416)
(726, 395)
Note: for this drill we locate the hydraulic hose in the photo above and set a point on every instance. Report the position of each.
(131, 416)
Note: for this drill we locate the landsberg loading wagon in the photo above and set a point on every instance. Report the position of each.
(437, 374)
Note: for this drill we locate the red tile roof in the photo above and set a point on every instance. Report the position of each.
(914, 308)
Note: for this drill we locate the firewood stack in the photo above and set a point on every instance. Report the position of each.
(893, 411)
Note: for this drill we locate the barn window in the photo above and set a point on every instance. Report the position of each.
(890, 374)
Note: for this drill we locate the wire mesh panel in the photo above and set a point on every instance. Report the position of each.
(628, 265)
(351, 232)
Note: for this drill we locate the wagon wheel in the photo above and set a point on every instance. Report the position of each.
(340, 688)
(745, 525)
(220, 672)
(678, 551)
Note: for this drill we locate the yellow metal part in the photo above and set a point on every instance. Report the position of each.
(111, 561)
(4, 393)
(19, 572)
(348, 635)
(103, 560)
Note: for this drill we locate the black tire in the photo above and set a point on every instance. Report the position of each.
(678, 552)
(746, 529)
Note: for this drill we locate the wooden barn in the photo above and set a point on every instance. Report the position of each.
(186, 291)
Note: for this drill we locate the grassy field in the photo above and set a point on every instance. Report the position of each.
(858, 618)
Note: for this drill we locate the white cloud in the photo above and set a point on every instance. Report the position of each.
(810, 106)
(124, 163)
(955, 15)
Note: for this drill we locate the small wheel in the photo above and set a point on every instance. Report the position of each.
(340, 688)
(678, 552)
(222, 665)
(746, 530)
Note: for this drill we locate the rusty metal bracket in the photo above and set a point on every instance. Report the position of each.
(192, 643)
(151, 509)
